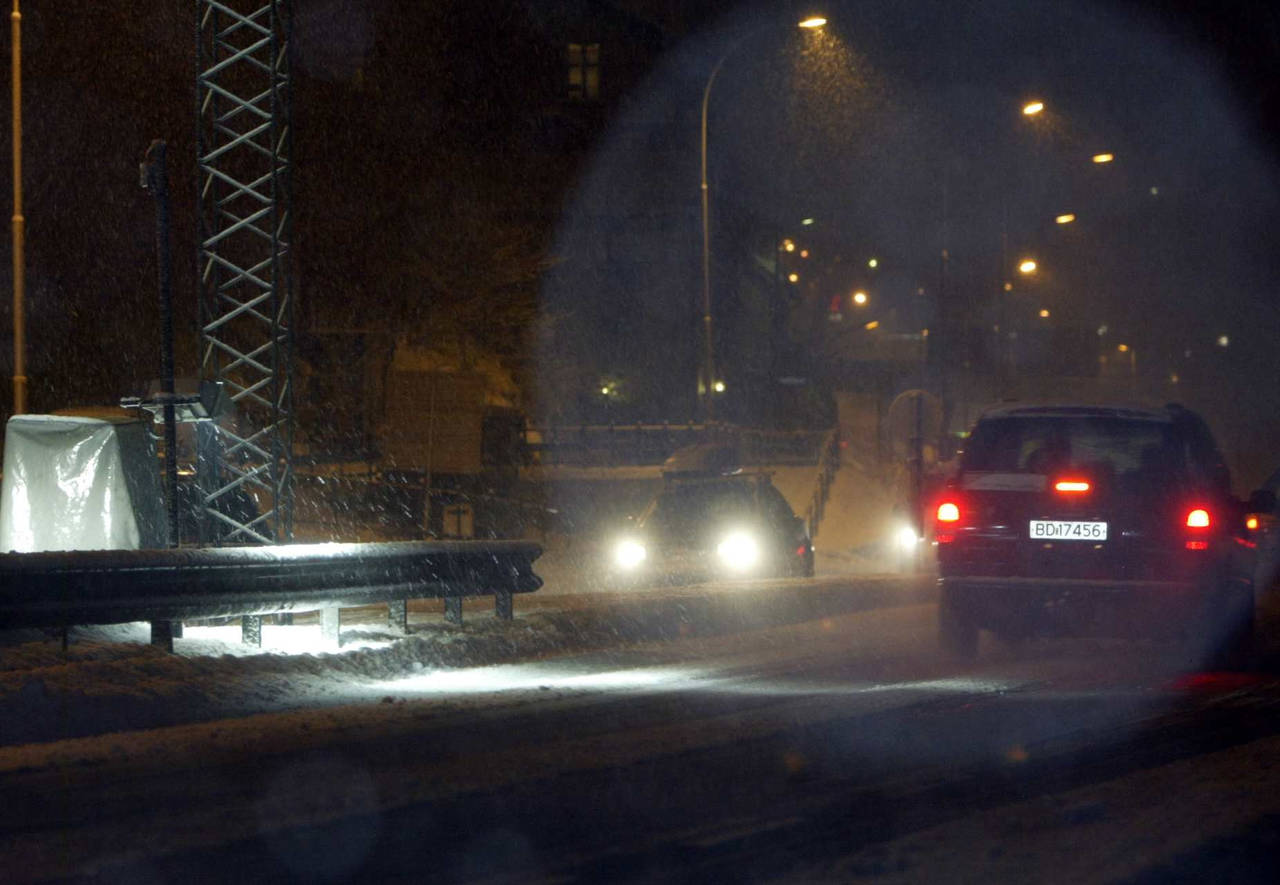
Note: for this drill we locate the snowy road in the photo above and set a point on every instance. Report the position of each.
(838, 746)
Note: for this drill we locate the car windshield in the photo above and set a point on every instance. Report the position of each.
(689, 510)
(1129, 451)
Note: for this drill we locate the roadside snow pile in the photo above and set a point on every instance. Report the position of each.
(110, 679)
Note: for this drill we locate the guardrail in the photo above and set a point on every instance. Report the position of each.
(76, 587)
(828, 464)
(627, 445)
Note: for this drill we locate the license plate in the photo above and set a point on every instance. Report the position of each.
(1067, 530)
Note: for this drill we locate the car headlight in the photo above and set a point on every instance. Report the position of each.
(629, 553)
(905, 538)
(739, 551)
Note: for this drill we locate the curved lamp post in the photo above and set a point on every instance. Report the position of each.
(708, 367)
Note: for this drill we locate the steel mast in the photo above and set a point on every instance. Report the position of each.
(246, 295)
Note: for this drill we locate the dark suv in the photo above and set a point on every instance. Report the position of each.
(1062, 518)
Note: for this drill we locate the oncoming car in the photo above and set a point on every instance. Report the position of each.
(1062, 517)
(703, 526)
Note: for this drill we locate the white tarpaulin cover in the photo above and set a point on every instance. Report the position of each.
(75, 483)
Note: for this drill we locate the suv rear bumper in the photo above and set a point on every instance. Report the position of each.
(1079, 606)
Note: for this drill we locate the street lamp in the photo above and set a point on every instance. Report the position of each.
(812, 23)
(19, 227)
(1027, 266)
(1032, 108)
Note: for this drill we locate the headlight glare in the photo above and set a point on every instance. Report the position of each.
(629, 553)
(739, 551)
(906, 538)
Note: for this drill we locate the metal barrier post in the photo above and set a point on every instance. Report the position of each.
(453, 609)
(398, 616)
(502, 605)
(251, 630)
(331, 624)
(162, 634)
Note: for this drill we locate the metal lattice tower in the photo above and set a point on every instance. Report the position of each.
(246, 303)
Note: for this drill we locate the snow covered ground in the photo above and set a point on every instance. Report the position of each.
(109, 678)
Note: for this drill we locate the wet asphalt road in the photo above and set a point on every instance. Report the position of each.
(742, 757)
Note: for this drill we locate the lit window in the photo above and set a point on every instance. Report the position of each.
(584, 71)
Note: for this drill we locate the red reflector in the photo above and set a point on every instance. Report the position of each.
(1075, 486)
(1198, 519)
(948, 512)
(945, 538)
(800, 551)
(1197, 545)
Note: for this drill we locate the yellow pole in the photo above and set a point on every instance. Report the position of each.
(19, 225)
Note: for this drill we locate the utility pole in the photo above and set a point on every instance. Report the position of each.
(19, 228)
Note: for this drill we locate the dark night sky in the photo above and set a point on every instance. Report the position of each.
(99, 88)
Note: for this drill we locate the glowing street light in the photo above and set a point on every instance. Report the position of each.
(812, 23)
(1103, 158)
(873, 263)
(1027, 266)
(1044, 313)
(793, 277)
(860, 298)
(1065, 218)
(718, 387)
(1224, 340)
(1031, 108)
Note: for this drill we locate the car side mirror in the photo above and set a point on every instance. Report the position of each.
(1262, 501)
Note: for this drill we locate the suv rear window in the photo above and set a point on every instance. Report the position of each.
(1130, 451)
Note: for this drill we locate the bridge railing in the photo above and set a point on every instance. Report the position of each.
(628, 445)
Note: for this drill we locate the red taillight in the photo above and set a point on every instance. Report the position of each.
(948, 511)
(1198, 519)
(1072, 486)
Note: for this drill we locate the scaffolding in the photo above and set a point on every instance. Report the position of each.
(246, 298)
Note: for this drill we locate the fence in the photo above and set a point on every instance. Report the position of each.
(629, 445)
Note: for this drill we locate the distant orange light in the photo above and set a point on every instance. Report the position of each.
(1103, 158)
(1072, 485)
(1251, 523)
